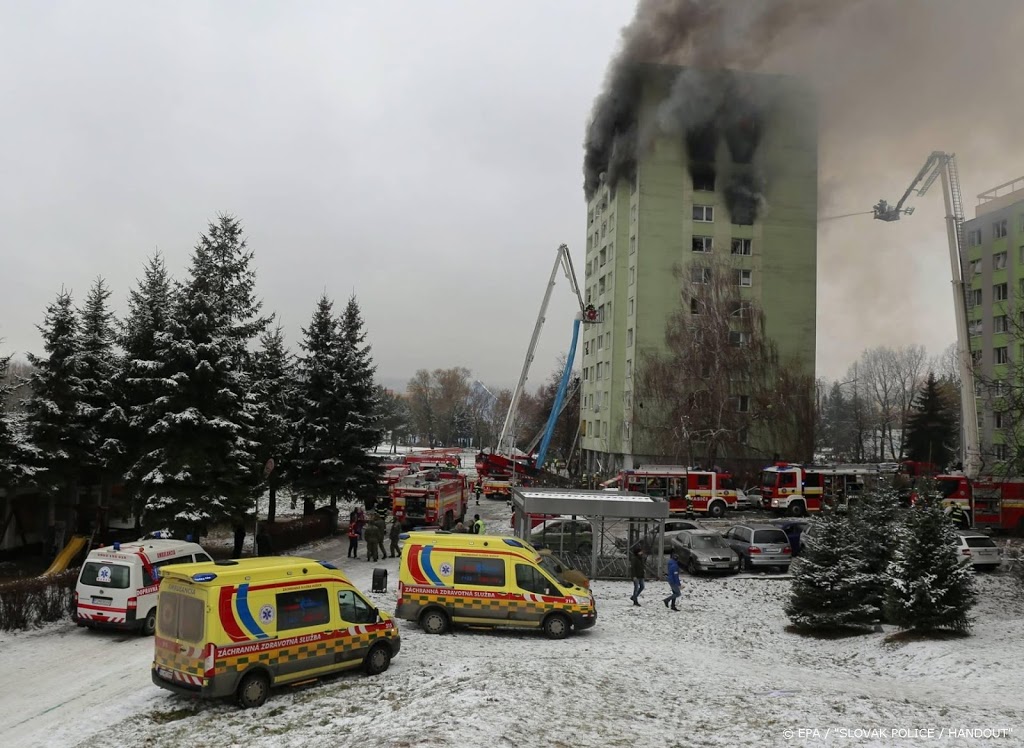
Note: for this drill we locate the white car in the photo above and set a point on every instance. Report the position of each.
(978, 549)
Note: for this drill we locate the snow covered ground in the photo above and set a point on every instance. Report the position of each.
(722, 672)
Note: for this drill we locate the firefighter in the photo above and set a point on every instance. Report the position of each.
(958, 516)
(393, 533)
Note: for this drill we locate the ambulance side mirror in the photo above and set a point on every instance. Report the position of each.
(376, 616)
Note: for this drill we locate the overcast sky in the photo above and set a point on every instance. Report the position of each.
(427, 157)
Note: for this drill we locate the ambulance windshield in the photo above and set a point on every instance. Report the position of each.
(98, 574)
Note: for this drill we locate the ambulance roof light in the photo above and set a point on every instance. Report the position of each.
(117, 546)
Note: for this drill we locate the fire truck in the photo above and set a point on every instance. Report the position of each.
(802, 489)
(449, 457)
(988, 501)
(430, 498)
(685, 489)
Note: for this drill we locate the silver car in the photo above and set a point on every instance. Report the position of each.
(700, 550)
(649, 541)
(759, 546)
(978, 549)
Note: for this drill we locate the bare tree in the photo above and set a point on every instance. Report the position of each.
(909, 368)
(720, 390)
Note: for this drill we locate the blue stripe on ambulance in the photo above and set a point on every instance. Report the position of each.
(428, 569)
(242, 607)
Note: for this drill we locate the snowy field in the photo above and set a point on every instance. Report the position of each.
(722, 672)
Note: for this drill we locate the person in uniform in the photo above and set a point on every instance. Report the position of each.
(370, 536)
(396, 530)
(381, 534)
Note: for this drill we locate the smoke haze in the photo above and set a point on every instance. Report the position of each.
(894, 82)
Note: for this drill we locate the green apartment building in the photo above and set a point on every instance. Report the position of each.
(676, 211)
(993, 262)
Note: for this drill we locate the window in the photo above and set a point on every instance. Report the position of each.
(999, 261)
(590, 217)
(998, 421)
(630, 307)
(629, 336)
(974, 238)
(632, 186)
(1000, 324)
(742, 246)
(740, 309)
(1000, 451)
(704, 179)
(999, 229)
(974, 296)
(999, 292)
(297, 610)
(632, 276)
(974, 327)
(603, 256)
(600, 342)
(604, 429)
(586, 373)
(694, 306)
(739, 339)
(600, 285)
(975, 267)
(625, 430)
(608, 340)
(604, 227)
(599, 366)
(1002, 355)
(355, 609)
(632, 216)
(700, 275)
(702, 243)
(530, 579)
(740, 403)
(486, 572)
(745, 278)
(632, 244)
(976, 358)
(112, 576)
(629, 368)
(703, 213)
(181, 617)
(154, 577)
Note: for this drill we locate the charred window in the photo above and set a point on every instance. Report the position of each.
(743, 136)
(703, 176)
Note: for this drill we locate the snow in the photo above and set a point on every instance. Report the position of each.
(723, 672)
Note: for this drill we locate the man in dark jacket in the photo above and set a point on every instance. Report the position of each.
(382, 532)
(371, 538)
(396, 530)
(638, 572)
(673, 582)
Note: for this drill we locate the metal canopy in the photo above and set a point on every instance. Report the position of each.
(586, 503)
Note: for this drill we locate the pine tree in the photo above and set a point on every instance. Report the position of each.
(318, 413)
(931, 426)
(874, 518)
(830, 580)
(57, 403)
(150, 309)
(274, 380)
(929, 588)
(99, 366)
(362, 431)
(17, 456)
(199, 463)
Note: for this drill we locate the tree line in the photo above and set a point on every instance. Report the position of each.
(193, 402)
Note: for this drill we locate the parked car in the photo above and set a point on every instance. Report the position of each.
(755, 496)
(747, 501)
(563, 534)
(700, 550)
(796, 530)
(759, 546)
(649, 542)
(978, 549)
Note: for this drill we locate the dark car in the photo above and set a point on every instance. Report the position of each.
(759, 546)
(701, 550)
(794, 529)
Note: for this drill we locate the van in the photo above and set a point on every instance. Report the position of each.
(239, 628)
(485, 580)
(117, 587)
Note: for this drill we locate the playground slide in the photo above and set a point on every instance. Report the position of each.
(66, 556)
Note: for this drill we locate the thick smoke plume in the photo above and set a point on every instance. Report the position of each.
(707, 101)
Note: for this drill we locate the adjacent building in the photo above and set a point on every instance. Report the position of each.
(680, 207)
(993, 262)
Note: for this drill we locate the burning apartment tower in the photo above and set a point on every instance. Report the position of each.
(684, 167)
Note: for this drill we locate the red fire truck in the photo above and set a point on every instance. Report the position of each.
(802, 489)
(686, 489)
(430, 498)
(989, 501)
(449, 457)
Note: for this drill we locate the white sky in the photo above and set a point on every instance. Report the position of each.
(428, 157)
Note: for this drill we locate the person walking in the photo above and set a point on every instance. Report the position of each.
(353, 539)
(478, 525)
(396, 530)
(673, 582)
(478, 490)
(370, 536)
(382, 532)
(638, 572)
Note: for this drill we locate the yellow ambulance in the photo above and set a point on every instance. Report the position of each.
(485, 580)
(239, 628)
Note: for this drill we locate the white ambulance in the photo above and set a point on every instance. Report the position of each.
(118, 585)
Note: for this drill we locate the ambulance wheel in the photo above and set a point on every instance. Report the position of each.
(434, 621)
(556, 626)
(253, 690)
(378, 660)
(717, 509)
(149, 625)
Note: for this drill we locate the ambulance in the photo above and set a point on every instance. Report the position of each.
(117, 587)
(486, 580)
(239, 628)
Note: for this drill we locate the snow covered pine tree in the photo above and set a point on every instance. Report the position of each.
(929, 589)
(16, 452)
(830, 579)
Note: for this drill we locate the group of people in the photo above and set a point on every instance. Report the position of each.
(638, 570)
(373, 531)
(477, 528)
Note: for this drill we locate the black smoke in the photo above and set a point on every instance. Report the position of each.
(744, 197)
(708, 38)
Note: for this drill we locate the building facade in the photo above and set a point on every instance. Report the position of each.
(993, 262)
(678, 210)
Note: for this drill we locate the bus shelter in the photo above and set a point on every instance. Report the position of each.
(592, 531)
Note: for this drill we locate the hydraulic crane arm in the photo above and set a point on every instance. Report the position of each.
(928, 174)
